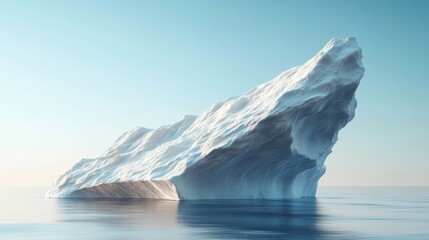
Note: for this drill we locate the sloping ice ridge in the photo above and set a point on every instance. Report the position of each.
(271, 142)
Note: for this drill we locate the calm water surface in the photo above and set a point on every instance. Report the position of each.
(337, 213)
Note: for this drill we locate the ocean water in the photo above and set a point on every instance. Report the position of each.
(337, 213)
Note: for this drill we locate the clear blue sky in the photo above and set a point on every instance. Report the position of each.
(74, 75)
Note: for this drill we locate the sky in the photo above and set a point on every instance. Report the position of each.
(74, 75)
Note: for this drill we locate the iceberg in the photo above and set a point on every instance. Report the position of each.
(269, 143)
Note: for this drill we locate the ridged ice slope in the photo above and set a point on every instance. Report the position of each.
(269, 143)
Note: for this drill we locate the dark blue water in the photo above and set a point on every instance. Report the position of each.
(337, 213)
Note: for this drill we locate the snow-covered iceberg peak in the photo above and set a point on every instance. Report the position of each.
(271, 142)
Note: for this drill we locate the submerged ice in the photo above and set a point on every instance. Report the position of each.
(271, 142)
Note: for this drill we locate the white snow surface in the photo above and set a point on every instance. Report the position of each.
(271, 142)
